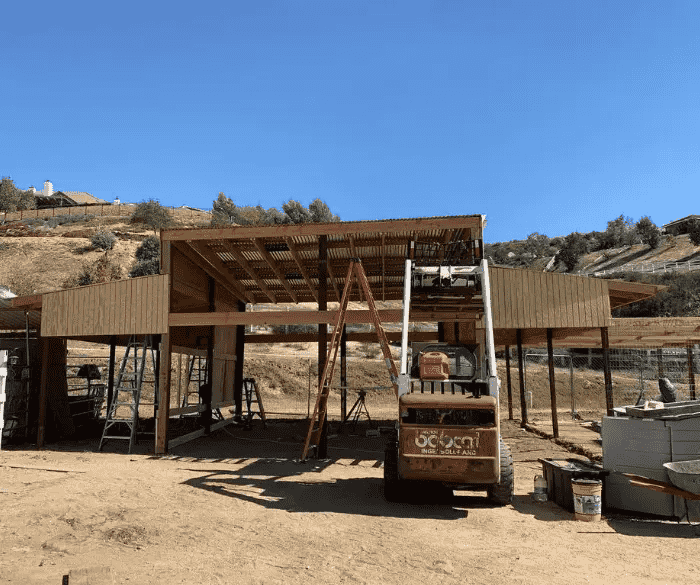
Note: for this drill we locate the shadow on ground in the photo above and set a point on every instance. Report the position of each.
(291, 486)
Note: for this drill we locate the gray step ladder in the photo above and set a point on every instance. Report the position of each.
(127, 393)
(197, 372)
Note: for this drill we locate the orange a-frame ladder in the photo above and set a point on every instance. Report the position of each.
(355, 272)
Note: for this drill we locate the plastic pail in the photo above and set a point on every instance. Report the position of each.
(587, 499)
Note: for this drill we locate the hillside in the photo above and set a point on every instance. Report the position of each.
(39, 256)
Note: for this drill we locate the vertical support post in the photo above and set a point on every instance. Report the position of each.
(606, 370)
(521, 373)
(660, 362)
(441, 331)
(238, 371)
(508, 383)
(43, 392)
(207, 390)
(166, 346)
(691, 371)
(110, 376)
(552, 384)
(344, 374)
(322, 450)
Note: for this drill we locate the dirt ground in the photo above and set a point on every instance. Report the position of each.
(236, 507)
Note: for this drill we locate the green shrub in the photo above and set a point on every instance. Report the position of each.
(148, 249)
(103, 240)
(145, 268)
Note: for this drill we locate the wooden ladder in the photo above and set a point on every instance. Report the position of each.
(355, 272)
(252, 396)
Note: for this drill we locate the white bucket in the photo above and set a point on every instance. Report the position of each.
(587, 499)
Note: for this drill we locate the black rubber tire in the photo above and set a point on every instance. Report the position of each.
(502, 493)
(392, 483)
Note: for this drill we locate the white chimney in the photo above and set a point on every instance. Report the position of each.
(32, 190)
(48, 189)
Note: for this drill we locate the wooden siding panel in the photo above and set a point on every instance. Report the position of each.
(508, 298)
(603, 302)
(567, 302)
(534, 279)
(528, 308)
(496, 301)
(607, 316)
(518, 304)
(588, 291)
(552, 301)
(576, 301)
(134, 306)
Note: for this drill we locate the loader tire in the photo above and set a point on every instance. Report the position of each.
(502, 493)
(392, 483)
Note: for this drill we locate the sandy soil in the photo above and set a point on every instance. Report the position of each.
(236, 508)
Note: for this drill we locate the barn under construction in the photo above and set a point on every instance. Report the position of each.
(210, 277)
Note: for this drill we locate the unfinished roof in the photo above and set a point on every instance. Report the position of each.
(280, 263)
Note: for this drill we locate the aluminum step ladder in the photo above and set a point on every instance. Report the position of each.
(123, 410)
(197, 372)
(356, 272)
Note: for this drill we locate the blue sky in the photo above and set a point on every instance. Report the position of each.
(546, 116)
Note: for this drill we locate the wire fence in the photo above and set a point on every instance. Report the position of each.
(107, 210)
(580, 382)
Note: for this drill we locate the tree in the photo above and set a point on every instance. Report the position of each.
(648, 232)
(537, 244)
(14, 199)
(147, 258)
(296, 212)
(320, 213)
(620, 232)
(574, 247)
(153, 214)
(104, 269)
(226, 212)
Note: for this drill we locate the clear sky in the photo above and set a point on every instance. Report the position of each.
(547, 116)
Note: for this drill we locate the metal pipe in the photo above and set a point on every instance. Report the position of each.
(405, 316)
(488, 320)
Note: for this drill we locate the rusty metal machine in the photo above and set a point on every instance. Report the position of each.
(448, 432)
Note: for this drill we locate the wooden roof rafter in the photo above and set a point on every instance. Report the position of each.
(272, 263)
(300, 265)
(333, 279)
(249, 269)
(214, 267)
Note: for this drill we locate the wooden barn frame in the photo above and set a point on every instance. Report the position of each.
(209, 276)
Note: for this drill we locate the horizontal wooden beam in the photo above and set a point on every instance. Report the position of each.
(309, 317)
(316, 229)
(366, 337)
(28, 302)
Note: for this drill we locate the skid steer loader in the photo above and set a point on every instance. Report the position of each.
(448, 431)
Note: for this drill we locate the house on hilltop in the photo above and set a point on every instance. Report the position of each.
(46, 198)
(680, 226)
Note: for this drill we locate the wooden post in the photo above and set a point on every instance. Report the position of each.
(166, 346)
(660, 362)
(606, 370)
(508, 383)
(207, 391)
(521, 372)
(238, 370)
(691, 371)
(43, 393)
(322, 451)
(552, 384)
(344, 374)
